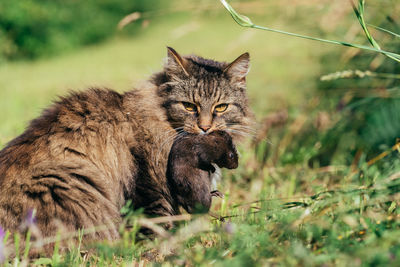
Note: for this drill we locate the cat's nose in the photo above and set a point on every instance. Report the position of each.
(205, 128)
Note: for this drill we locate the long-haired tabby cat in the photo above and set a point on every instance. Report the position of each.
(85, 156)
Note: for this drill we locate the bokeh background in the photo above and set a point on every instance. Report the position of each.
(324, 113)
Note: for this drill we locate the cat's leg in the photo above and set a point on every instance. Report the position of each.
(155, 202)
(65, 201)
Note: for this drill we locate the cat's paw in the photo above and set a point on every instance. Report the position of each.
(216, 193)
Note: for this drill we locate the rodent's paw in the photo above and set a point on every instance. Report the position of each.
(216, 193)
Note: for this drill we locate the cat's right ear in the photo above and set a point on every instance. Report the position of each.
(175, 63)
(239, 68)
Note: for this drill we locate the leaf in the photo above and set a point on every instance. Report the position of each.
(392, 207)
(384, 30)
(240, 19)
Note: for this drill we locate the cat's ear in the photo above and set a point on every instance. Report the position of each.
(239, 68)
(175, 63)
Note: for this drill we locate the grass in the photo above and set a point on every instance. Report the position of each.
(278, 210)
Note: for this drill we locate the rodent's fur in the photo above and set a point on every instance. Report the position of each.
(190, 165)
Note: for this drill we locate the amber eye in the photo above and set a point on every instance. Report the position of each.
(221, 108)
(189, 106)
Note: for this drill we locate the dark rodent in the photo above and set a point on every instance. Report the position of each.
(190, 167)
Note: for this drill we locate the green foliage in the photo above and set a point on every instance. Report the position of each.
(368, 108)
(33, 28)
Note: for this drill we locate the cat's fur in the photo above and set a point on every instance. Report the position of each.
(85, 156)
(190, 165)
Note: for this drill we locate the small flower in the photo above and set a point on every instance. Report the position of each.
(2, 234)
(229, 228)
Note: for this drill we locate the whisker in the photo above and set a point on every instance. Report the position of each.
(168, 132)
(178, 133)
(171, 135)
(248, 135)
(250, 129)
(238, 128)
(239, 132)
(244, 128)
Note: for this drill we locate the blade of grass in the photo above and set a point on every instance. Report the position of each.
(27, 244)
(360, 16)
(16, 243)
(384, 30)
(6, 237)
(55, 259)
(246, 22)
(384, 154)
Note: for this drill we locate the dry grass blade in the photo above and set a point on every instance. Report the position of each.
(129, 19)
(384, 154)
(358, 74)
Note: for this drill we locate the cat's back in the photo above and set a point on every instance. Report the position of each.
(72, 119)
(75, 151)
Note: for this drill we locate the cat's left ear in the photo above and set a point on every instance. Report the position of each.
(176, 63)
(239, 68)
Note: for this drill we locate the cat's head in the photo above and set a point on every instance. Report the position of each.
(201, 95)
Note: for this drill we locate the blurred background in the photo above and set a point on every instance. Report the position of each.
(316, 104)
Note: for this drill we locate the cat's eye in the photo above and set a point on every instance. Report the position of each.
(221, 108)
(189, 106)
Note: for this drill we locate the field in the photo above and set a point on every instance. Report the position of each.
(306, 193)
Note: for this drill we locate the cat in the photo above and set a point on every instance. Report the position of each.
(90, 152)
(190, 164)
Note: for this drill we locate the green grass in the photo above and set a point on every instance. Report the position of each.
(278, 210)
